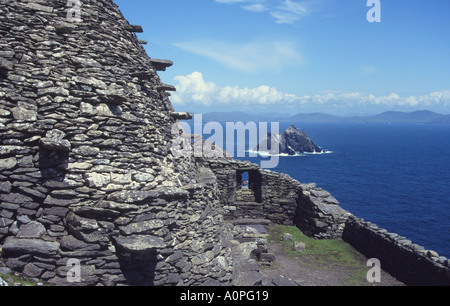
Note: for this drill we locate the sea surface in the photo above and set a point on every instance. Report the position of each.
(394, 175)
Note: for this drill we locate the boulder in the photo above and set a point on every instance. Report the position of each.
(287, 237)
(298, 246)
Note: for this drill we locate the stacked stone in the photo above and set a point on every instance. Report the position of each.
(281, 197)
(245, 195)
(318, 214)
(207, 253)
(246, 206)
(405, 260)
(283, 200)
(86, 170)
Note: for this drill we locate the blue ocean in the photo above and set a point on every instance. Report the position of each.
(394, 175)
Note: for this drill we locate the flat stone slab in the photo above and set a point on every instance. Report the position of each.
(181, 115)
(248, 279)
(30, 246)
(283, 281)
(160, 64)
(165, 87)
(140, 243)
(138, 196)
(31, 230)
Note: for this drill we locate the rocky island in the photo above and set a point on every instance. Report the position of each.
(290, 142)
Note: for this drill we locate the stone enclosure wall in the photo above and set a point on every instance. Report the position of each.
(283, 200)
(408, 262)
(317, 214)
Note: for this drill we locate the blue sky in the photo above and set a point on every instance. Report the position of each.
(292, 56)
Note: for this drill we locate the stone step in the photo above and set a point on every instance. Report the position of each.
(165, 87)
(248, 221)
(161, 64)
(250, 215)
(135, 29)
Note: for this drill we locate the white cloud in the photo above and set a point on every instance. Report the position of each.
(283, 17)
(298, 8)
(282, 11)
(289, 12)
(194, 90)
(250, 57)
(257, 7)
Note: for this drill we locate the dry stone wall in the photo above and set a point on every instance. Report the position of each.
(86, 170)
(407, 261)
(283, 200)
(318, 214)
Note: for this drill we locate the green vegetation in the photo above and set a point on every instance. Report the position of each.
(323, 254)
(12, 279)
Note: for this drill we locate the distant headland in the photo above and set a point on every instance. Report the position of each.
(420, 117)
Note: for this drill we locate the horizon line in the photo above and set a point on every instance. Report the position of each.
(321, 113)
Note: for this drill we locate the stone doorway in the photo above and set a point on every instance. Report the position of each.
(251, 190)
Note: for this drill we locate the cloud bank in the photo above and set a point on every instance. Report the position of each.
(194, 90)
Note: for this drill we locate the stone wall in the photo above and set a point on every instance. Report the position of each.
(408, 262)
(283, 200)
(86, 170)
(318, 214)
(270, 186)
